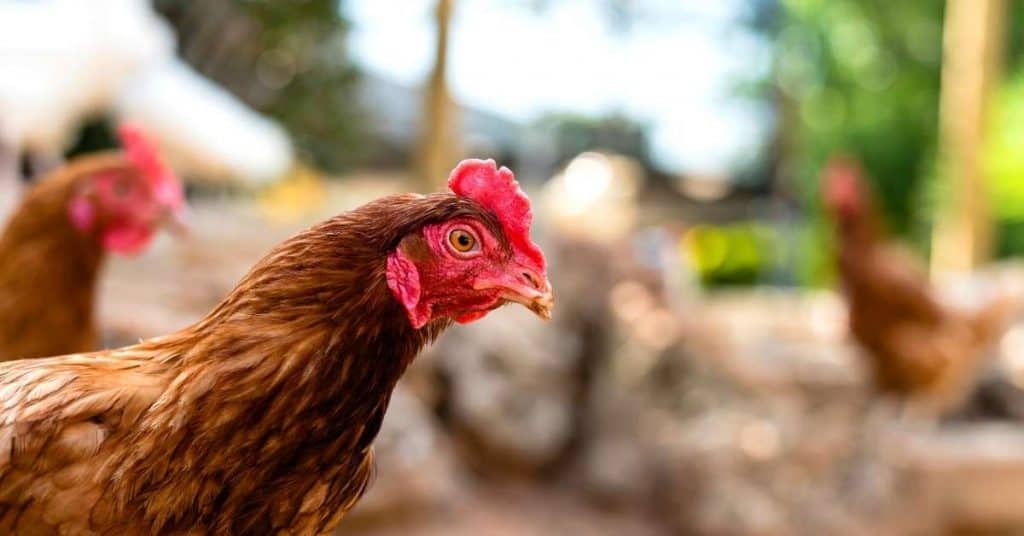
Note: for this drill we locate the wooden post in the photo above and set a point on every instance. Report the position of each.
(439, 146)
(972, 44)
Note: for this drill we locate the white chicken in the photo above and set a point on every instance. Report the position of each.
(67, 60)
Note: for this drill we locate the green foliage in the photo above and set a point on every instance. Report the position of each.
(856, 77)
(1004, 166)
(862, 77)
(740, 254)
(284, 58)
(304, 44)
(1004, 157)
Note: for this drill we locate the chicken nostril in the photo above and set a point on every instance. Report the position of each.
(532, 280)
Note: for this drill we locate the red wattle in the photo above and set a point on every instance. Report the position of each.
(471, 317)
(127, 240)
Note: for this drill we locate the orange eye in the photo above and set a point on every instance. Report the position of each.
(461, 240)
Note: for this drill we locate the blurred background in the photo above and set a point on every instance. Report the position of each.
(698, 376)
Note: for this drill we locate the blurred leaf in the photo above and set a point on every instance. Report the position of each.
(285, 58)
(738, 254)
(1004, 158)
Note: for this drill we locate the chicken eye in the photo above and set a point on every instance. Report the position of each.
(461, 240)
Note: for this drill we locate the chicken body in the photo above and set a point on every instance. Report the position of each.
(920, 350)
(48, 271)
(259, 418)
(52, 248)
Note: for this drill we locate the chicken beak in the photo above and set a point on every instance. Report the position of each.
(527, 289)
(542, 305)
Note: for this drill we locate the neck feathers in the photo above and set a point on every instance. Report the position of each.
(48, 264)
(291, 373)
(313, 324)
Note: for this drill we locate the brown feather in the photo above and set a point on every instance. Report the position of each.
(48, 270)
(919, 349)
(258, 419)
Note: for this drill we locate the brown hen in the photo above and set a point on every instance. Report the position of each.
(259, 418)
(52, 248)
(920, 350)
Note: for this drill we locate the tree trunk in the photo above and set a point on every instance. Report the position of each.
(438, 147)
(972, 59)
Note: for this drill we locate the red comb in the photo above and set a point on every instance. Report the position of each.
(145, 154)
(844, 183)
(841, 173)
(497, 190)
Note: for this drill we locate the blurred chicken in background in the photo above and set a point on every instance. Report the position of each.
(52, 249)
(920, 349)
(67, 61)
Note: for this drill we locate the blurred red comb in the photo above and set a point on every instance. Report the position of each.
(843, 182)
(497, 190)
(145, 154)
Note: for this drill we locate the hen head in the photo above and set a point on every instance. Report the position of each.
(464, 266)
(843, 192)
(123, 206)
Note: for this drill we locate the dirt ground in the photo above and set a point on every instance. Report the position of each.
(511, 510)
(761, 415)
